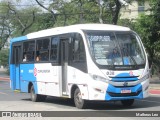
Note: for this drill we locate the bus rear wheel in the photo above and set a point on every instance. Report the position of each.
(36, 97)
(127, 103)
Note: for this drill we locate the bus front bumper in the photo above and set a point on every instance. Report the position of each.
(122, 93)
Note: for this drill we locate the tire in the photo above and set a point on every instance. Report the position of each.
(36, 97)
(127, 103)
(78, 101)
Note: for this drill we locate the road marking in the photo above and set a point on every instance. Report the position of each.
(3, 93)
(17, 91)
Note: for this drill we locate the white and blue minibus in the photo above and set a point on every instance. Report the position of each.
(84, 62)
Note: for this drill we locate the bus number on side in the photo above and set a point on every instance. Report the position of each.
(110, 73)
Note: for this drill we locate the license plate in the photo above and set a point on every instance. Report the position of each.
(126, 91)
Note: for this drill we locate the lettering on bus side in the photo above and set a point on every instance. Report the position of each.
(36, 71)
(43, 71)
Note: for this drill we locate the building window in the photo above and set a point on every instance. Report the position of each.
(141, 6)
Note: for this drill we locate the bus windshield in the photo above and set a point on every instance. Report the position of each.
(115, 48)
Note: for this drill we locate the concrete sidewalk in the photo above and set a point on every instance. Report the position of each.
(3, 75)
(155, 83)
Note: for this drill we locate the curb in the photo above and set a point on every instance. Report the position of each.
(4, 79)
(154, 92)
(154, 88)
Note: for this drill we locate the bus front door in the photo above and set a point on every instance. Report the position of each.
(17, 56)
(64, 63)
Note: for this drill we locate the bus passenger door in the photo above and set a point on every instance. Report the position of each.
(16, 59)
(64, 63)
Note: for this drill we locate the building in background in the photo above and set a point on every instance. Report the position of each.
(134, 9)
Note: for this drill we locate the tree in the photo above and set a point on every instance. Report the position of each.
(104, 11)
(42, 21)
(75, 11)
(5, 28)
(112, 7)
(127, 23)
(17, 20)
(50, 10)
(21, 19)
(4, 53)
(148, 26)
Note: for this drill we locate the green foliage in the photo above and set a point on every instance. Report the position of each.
(148, 27)
(23, 20)
(4, 54)
(74, 12)
(16, 21)
(42, 21)
(127, 23)
(5, 29)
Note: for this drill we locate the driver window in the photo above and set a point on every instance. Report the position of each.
(78, 48)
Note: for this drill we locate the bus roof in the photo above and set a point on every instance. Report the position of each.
(73, 28)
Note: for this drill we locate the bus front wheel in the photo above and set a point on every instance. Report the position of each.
(127, 103)
(78, 101)
(36, 97)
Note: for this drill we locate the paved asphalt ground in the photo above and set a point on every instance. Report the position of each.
(154, 82)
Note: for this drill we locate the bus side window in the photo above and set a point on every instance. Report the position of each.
(28, 51)
(77, 54)
(25, 57)
(42, 50)
(78, 49)
(54, 49)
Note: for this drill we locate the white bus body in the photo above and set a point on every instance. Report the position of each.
(80, 63)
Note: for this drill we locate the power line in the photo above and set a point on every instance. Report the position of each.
(3, 14)
(11, 15)
(24, 5)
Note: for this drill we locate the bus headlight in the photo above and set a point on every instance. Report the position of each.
(145, 77)
(98, 78)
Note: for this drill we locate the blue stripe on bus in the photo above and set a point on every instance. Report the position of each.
(12, 73)
(17, 74)
(27, 75)
(134, 89)
(15, 77)
(19, 39)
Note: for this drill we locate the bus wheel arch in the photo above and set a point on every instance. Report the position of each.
(77, 98)
(74, 87)
(36, 97)
(29, 87)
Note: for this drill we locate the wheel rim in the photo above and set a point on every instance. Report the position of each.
(78, 98)
(32, 94)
